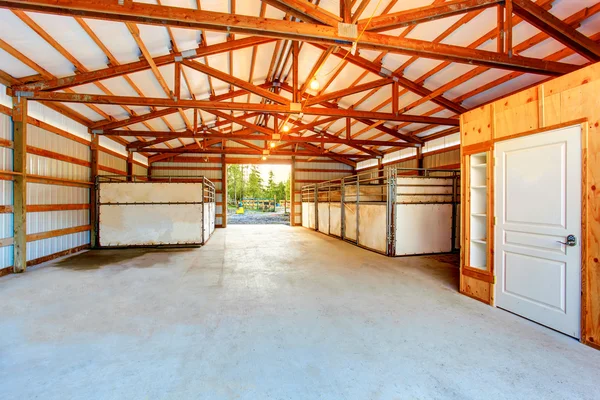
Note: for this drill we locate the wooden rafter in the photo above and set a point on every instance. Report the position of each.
(198, 19)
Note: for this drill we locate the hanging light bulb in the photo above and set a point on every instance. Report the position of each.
(264, 158)
(272, 144)
(286, 128)
(314, 84)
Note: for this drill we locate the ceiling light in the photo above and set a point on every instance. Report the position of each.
(272, 144)
(286, 128)
(314, 84)
(264, 158)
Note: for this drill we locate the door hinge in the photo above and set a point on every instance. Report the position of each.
(495, 221)
(494, 279)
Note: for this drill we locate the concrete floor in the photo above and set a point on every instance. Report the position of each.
(272, 312)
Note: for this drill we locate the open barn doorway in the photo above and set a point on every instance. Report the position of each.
(258, 194)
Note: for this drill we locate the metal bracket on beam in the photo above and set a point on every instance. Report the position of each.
(97, 131)
(348, 30)
(188, 54)
(178, 58)
(386, 73)
(296, 107)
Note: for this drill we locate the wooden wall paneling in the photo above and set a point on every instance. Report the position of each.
(517, 113)
(476, 126)
(569, 100)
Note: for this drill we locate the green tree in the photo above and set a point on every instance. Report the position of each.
(255, 183)
(271, 186)
(280, 191)
(235, 183)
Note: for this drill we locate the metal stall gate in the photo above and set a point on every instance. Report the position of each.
(138, 212)
(401, 212)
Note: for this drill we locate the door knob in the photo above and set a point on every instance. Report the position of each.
(571, 241)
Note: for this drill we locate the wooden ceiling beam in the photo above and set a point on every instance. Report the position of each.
(305, 11)
(402, 81)
(423, 14)
(142, 65)
(348, 91)
(198, 19)
(556, 28)
(211, 105)
(240, 83)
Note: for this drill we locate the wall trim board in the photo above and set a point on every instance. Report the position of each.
(177, 168)
(579, 121)
(477, 148)
(6, 143)
(47, 127)
(47, 207)
(112, 153)
(57, 156)
(47, 180)
(32, 237)
(112, 170)
(480, 275)
(50, 257)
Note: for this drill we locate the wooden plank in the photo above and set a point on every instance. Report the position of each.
(19, 117)
(210, 105)
(423, 14)
(556, 28)
(283, 29)
(224, 190)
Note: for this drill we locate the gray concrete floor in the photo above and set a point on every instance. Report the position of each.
(272, 312)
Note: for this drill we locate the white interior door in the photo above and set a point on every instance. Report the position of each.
(538, 205)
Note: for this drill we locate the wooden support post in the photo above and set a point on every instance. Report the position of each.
(293, 193)
(380, 170)
(420, 160)
(177, 81)
(395, 98)
(223, 191)
(19, 115)
(130, 166)
(500, 28)
(348, 129)
(346, 11)
(295, 51)
(93, 191)
(508, 49)
(149, 171)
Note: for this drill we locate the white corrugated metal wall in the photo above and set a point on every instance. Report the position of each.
(58, 181)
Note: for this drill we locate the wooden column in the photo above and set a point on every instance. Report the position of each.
(395, 97)
(149, 171)
(293, 193)
(508, 31)
(420, 159)
(500, 24)
(380, 170)
(295, 51)
(223, 191)
(129, 166)
(19, 115)
(93, 191)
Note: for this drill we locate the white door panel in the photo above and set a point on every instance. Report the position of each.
(537, 205)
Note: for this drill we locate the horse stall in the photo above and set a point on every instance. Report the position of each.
(136, 212)
(397, 212)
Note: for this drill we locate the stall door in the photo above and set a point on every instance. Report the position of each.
(538, 207)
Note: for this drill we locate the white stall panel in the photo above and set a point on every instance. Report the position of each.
(423, 228)
(335, 219)
(305, 215)
(372, 226)
(311, 215)
(324, 218)
(146, 225)
(350, 220)
(155, 192)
